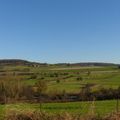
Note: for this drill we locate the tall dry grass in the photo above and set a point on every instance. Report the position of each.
(14, 115)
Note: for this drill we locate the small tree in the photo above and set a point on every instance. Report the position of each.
(118, 96)
(57, 81)
(33, 76)
(119, 67)
(86, 92)
(88, 73)
(41, 88)
(79, 78)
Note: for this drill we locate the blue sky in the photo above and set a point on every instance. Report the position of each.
(60, 30)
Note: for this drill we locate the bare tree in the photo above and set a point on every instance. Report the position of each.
(41, 88)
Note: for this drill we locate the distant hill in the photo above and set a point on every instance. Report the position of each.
(19, 62)
(87, 64)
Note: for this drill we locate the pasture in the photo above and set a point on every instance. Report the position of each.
(69, 79)
(64, 79)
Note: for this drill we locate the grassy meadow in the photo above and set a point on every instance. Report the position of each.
(72, 79)
(82, 108)
(64, 79)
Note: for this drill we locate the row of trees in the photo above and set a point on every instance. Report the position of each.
(14, 90)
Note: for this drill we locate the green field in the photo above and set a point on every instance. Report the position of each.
(107, 77)
(64, 78)
(67, 79)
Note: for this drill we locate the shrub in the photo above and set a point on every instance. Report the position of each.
(57, 81)
(79, 78)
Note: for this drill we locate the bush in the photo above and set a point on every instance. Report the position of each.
(79, 78)
(57, 81)
(33, 77)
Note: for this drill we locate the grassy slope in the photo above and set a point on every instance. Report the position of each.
(100, 76)
(99, 107)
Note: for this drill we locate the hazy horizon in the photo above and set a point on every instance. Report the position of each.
(59, 62)
(66, 31)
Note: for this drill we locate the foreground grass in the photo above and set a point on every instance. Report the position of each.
(99, 107)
